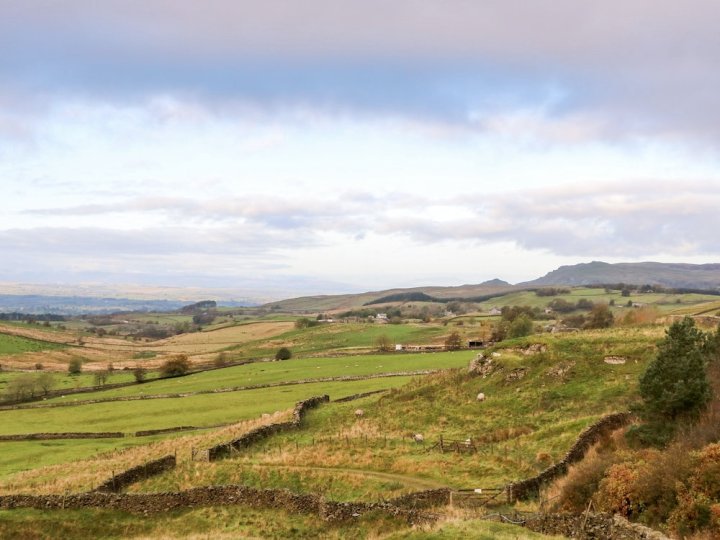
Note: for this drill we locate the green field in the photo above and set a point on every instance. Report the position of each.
(237, 522)
(665, 302)
(65, 380)
(562, 391)
(17, 345)
(329, 338)
(288, 370)
(200, 410)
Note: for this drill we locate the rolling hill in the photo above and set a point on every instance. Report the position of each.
(676, 275)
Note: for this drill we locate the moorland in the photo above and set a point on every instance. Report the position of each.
(427, 394)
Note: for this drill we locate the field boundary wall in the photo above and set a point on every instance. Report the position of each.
(130, 476)
(531, 487)
(253, 436)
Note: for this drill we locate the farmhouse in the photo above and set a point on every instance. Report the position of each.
(494, 311)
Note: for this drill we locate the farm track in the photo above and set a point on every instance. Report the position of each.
(353, 378)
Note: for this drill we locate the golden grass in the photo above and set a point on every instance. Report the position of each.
(204, 342)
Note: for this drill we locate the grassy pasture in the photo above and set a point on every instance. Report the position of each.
(201, 410)
(289, 370)
(64, 380)
(665, 302)
(18, 345)
(204, 410)
(333, 338)
(562, 391)
(75, 466)
(222, 523)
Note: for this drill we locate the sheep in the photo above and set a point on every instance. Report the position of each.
(359, 413)
(418, 438)
(481, 397)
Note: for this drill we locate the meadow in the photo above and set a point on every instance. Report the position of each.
(10, 344)
(525, 423)
(295, 369)
(545, 390)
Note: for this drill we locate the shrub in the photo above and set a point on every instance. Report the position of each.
(75, 366)
(520, 327)
(283, 353)
(583, 480)
(600, 317)
(222, 360)
(101, 377)
(617, 493)
(383, 343)
(304, 322)
(139, 373)
(453, 342)
(175, 366)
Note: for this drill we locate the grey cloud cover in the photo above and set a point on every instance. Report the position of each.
(645, 67)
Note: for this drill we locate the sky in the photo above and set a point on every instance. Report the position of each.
(332, 146)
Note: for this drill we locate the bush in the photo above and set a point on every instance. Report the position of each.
(75, 366)
(383, 343)
(304, 322)
(600, 317)
(176, 366)
(221, 360)
(453, 342)
(583, 481)
(101, 377)
(520, 327)
(283, 353)
(139, 373)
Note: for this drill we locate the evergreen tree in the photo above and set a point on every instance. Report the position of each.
(675, 384)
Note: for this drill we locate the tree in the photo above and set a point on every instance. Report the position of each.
(21, 387)
(75, 366)
(304, 322)
(600, 317)
(383, 343)
(45, 381)
(222, 360)
(175, 366)
(101, 377)
(283, 353)
(521, 326)
(675, 384)
(453, 342)
(139, 373)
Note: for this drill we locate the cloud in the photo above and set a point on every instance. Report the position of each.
(568, 70)
(625, 220)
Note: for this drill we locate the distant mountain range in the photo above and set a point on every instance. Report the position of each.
(671, 275)
(674, 275)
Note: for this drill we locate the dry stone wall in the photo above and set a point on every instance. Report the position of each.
(531, 487)
(151, 503)
(120, 481)
(253, 436)
(592, 527)
(64, 435)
